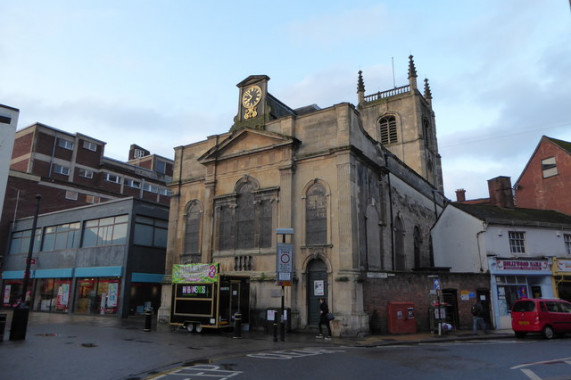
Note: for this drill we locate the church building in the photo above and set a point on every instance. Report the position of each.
(359, 186)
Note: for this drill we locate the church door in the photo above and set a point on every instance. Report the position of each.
(316, 289)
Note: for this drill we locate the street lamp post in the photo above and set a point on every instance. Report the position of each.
(22, 310)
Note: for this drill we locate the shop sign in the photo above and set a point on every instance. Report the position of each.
(564, 265)
(529, 265)
(203, 273)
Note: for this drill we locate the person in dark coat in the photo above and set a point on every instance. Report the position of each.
(323, 319)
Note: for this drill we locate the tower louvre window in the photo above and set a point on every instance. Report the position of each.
(388, 129)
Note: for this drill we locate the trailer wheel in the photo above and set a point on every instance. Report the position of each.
(198, 328)
(189, 327)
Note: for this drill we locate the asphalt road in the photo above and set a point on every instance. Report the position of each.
(506, 359)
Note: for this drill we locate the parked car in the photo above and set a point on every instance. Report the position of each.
(547, 316)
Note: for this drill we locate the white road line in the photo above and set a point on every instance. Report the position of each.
(529, 373)
(552, 361)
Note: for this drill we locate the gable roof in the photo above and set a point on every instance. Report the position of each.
(565, 145)
(229, 147)
(516, 216)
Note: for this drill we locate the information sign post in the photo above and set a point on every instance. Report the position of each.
(284, 269)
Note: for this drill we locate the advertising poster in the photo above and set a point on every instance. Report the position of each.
(62, 296)
(318, 288)
(203, 273)
(7, 290)
(113, 289)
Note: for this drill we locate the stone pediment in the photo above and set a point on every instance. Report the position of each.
(245, 141)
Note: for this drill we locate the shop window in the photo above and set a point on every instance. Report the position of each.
(517, 241)
(106, 231)
(97, 296)
(63, 236)
(20, 241)
(150, 232)
(316, 215)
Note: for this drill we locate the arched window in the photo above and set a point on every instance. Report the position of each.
(417, 247)
(388, 129)
(316, 215)
(400, 259)
(246, 217)
(427, 133)
(192, 229)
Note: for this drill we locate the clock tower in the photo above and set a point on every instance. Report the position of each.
(252, 105)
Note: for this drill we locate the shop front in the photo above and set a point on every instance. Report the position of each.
(562, 278)
(512, 279)
(98, 290)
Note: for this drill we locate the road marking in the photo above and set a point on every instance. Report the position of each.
(529, 373)
(211, 372)
(290, 354)
(552, 361)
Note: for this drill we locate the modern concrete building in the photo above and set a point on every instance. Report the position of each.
(8, 125)
(70, 170)
(105, 258)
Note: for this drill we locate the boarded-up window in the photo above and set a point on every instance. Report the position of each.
(316, 216)
(549, 167)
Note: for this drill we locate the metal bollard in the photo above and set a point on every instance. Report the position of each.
(148, 319)
(237, 326)
(275, 332)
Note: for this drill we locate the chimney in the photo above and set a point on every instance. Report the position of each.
(500, 189)
(460, 195)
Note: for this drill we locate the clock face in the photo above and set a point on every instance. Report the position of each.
(251, 96)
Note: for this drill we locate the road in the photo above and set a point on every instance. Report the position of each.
(506, 359)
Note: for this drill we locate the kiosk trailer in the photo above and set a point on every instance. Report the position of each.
(202, 297)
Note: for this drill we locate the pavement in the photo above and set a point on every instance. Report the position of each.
(68, 346)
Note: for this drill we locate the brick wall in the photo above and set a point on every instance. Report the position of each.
(415, 288)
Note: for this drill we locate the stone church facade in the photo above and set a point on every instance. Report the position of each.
(359, 185)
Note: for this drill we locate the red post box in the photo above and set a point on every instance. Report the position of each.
(401, 318)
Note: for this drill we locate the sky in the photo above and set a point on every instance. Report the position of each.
(162, 74)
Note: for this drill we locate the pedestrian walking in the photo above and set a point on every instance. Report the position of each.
(478, 318)
(324, 318)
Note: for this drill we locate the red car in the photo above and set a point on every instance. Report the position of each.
(547, 316)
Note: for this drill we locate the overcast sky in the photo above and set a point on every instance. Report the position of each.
(162, 74)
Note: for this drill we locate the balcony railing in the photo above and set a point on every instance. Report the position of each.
(388, 93)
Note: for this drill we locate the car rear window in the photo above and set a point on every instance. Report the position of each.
(524, 306)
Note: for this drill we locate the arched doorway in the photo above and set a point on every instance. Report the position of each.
(316, 289)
